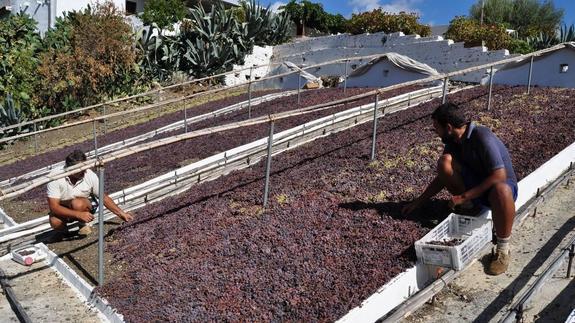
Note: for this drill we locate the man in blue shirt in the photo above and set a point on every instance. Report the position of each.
(476, 168)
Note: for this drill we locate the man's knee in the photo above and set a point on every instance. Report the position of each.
(80, 204)
(56, 223)
(445, 165)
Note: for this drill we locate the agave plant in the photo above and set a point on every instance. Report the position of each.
(10, 115)
(542, 41)
(566, 34)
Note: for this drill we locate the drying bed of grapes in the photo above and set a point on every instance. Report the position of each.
(137, 168)
(332, 233)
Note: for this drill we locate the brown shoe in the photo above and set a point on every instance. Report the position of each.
(499, 264)
(85, 230)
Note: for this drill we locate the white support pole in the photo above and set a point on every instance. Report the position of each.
(185, 117)
(105, 119)
(445, 82)
(101, 225)
(35, 139)
(299, 88)
(250, 94)
(268, 164)
(95, 139)
(374, 136)
(490, 88)
(345, 77)
(530, 73)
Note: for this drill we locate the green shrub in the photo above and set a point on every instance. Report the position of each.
(164, 13)
(470, 32)
(89, 57)
(19, 44)
(519, 46)
(381, 21)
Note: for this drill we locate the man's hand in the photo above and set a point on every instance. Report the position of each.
(127, 216)
(85, 217)
(410, 207)
(457, 200)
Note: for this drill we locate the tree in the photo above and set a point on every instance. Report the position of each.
(163, 13)
(306, 13)
(527, 17)
(380, 21)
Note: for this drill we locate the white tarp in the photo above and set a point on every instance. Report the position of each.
(398, 60)
(290, 81)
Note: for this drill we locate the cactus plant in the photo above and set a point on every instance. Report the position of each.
(10, 115)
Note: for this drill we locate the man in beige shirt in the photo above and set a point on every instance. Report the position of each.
(73, 198)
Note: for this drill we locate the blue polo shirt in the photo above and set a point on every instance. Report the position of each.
(480, 153)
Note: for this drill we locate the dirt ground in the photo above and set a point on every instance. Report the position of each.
(477, 297)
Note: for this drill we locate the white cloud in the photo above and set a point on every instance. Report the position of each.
(275, 6)
(393, 6)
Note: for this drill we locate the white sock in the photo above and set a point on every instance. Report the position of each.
(503, 245)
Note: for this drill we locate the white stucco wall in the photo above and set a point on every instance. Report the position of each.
(443, 55)
(382, 74)
(63, 6)
(546, 71)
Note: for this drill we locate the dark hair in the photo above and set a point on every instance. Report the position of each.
(449, 113)
(75, 157)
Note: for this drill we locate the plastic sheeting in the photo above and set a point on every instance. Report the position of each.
(398, 60)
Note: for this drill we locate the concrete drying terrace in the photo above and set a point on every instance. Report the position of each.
(476, 297)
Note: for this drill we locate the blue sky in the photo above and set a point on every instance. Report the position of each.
(434, 12)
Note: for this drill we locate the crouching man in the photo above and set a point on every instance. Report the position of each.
(74, 198)
(476, 169)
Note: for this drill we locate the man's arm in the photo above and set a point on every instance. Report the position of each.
(497, 176)
(57, 209)
(114, 208)
(430, 191)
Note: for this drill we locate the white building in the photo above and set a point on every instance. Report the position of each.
(388, 69)
(555, 68)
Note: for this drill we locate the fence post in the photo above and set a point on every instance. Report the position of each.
(374, 136)
(490, 88)
(35, 139)
(101, 224)
(530, 73)
(250, 94)
(185, 117)
(445, 81)
(299, 87)
(570, 264)
(105, 119)
(345, 78)
(269, 163)
(95, 138)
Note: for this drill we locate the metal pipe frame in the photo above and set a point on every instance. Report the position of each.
(101, 225)
(95, 138)
(268, 164)
(490, 88)
(374, 135)
(444, 98)
(299, 88)
(345, 77)
(250, 95)
(529, 77)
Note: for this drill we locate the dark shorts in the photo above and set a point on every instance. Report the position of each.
(93, 203)
(471, 180)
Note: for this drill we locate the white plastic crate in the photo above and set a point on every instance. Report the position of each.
(571, 318)
(474, 231)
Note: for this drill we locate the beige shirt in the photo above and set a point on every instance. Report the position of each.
(64, 190)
